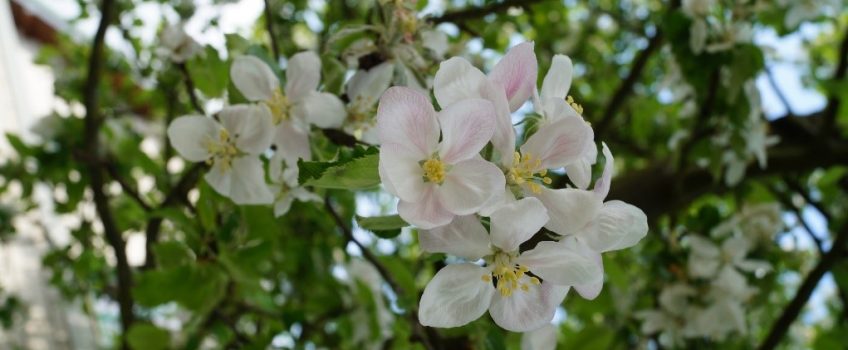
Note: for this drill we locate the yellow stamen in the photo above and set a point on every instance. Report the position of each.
(280, 106)
(434, 170)
(508, 275)
(526, 170)
(577, 107)
(222, 151)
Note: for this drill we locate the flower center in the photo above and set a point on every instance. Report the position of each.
(507, 274)
(434, 170)
(222, 151)
(577, 107)
(525, 170)
(280, 106)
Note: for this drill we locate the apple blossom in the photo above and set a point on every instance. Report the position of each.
(293, 108)
(529, 284)
(364, 90)
(177, 45)
(285, 185)
(544, 338)
(435, 180)
(232, 146)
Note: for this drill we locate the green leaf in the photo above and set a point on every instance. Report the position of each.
(145, 336)
(359, 172)
(172, 253)
(209, 73)
(382, 226)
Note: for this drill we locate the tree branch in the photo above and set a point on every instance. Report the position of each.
(269, 26)
(793, 309)
(778, 91)
(177, 194)
(787, 203)
(480, 12)
(128, 188)
(626, 87)
(195, 102)
(93, 121)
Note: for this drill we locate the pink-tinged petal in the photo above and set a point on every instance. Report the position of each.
(618, 225)
(563, 263)
(602, 186)
(558, 80)
(469, 185)
(544, 338)
(384, 178)
(556, 108)
(517, 72)
(559, 143)
(525, 311)
(516, 222)
(250, 125)
(456, 296)
(503, 138)
(464, 237)
(321, 109)
(427, 213)
(457, 80)
(570, 210)
(406, 117)
(401, 169)
(190, 134)
(253, 78)
(467, 127)
(303, 73)
(292, 144)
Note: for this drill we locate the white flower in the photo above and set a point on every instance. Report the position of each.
(232, 147)
(554, 104)
(698, 33)
(707, 260)
(436, 41)
(800, 11)
(696, 8)
(672, 316)
(366, 274)
(294, 108)
(730, 35)
(461, 293)
(603, 226)
(544, 338)
(718, 320)
(364, 90)
(285, 186)
(435, 180)
(177, 45)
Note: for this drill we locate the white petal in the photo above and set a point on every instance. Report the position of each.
(365, 87)
(618, 225)
(400, 168)
(456, 296)
(457, 80)
(544, 338)
(248, 182)
(516, 73)
(406, 117)
(282, 205)
(556, 108)
(570, 209)
(321, 109)
(189, 135)
(464, 237)
(563, 263)
(560, 143)
(303, 73)
(250, 126)
(292, 144)
(515, 222)
(467, 127)
(219, 179)
(469, 185)
(591, 290)
(602, 186)
(435, 40)
(426, 213)
(253, 78)
(500, 198)
(736, 248)
(558, 80)
(525, 311)
(580, 173)
(503, 138)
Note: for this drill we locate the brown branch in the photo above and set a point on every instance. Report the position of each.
(787, 203)
(93, 121)
(625, 89)
(793, 309)
(128, 188)
(269, 26)
(177, 194)
(778, 91)
(794, 185)
(189, 83)
(480, 12)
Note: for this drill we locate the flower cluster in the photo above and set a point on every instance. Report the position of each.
(711, 303)
(484, 203)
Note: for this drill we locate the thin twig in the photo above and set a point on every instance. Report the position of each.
(480, 12)
(793, 309)
(778, 91)
(189, 83)
(177, 194)
(93, 121)
(269, 26)
(787, 203)
(128, 188)
(798, 188)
